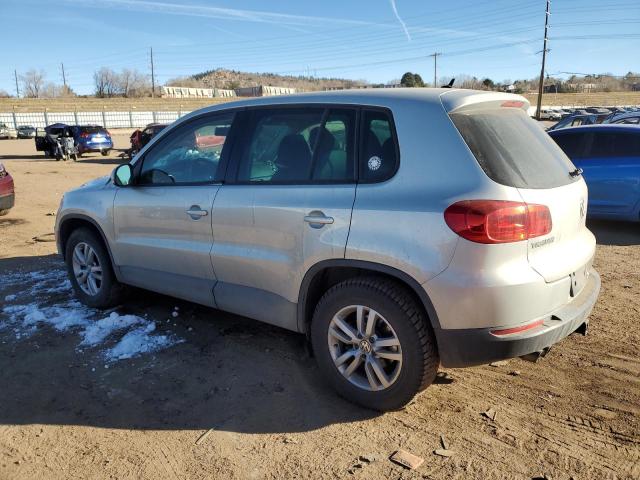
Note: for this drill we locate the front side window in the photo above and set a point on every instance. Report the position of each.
(571, 143)
(379, 149)
(189, 154)
(298, 145)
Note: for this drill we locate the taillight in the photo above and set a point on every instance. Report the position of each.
(84, 135)
(498, 221)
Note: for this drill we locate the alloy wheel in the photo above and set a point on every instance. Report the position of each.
(364, 347)
(87, 269)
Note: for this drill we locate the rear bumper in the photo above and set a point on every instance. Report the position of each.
(478, 346)
(7, 201)
(95, 147)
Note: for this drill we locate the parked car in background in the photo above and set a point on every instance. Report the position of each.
(26, 131)
(4, 130)
(321, 213)
(629, 118)
(549, 114)
(7, 194)
(45, 138)
(609, 156)
(573, 121)
(92, 138)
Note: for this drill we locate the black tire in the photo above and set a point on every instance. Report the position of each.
(420, 360)
(4, 212)
(111, 292)
(104, 153)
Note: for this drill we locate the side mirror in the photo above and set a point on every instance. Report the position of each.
(122, 175)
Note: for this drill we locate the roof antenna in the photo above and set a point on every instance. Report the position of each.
(450, 84)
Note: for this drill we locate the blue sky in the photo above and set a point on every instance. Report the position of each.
(375, 40)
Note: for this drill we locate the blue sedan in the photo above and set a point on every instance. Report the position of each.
(609, 155)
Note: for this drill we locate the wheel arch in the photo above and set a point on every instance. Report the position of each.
(321, 276)
(73, 222)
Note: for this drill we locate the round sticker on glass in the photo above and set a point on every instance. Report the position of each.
(374, 163)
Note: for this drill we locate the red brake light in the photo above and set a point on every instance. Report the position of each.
(84, 135)
(512, 104)
(498, 221)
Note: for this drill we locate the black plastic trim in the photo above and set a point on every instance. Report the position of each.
(364, 265)
(76, 216)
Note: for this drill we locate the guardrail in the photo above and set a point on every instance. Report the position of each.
(130, 119)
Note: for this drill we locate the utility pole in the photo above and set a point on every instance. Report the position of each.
(15, 74)
(64, 79)
(435, 56)
(544, 59)
(153, 78)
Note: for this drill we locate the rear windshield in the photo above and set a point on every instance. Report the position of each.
(91, 130)
(512, 149)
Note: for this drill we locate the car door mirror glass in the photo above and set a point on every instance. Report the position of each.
(122, 175)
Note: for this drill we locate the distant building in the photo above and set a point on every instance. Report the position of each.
(263, 91)
(187, 92)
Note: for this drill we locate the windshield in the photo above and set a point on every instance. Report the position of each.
(512, 149)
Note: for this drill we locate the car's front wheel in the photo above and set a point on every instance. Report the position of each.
(90, 272)
(373, 343)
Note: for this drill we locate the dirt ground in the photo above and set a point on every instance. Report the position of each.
(255, 393)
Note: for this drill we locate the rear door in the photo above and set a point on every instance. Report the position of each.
(285, 206)
(515, 151)
(162, 223)
(611, 164)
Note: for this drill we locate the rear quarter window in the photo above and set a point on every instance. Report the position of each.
(513, 149)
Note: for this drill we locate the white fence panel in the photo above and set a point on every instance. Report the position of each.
(117, 119)
(127, 119)
(90, 118)
(63, 117)
(167, 117)
(140, 119)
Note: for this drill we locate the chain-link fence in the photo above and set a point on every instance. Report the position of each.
(130, 119)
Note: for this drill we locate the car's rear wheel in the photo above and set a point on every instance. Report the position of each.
(373, 343)
(104, 153)
(90, 271)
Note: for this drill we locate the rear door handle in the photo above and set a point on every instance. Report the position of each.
(317, 219)
(195, 212)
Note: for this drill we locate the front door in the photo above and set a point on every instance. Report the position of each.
(286, 207)
(162, 222)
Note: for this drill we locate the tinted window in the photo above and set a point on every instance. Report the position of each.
(292, 145)
(379, 148)
(189, 154)
(615, 145)
(91, 130)
(513, 149)
(571, 143)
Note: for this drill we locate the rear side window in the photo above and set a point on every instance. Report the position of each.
(512, 149)
(379, 147)
(91, 130)
(615, 145)
(299, 145)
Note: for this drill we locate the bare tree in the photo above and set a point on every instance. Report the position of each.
(32, 83)
(4, 94)
(106, 82)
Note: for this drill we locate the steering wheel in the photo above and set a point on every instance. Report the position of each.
(153, 172)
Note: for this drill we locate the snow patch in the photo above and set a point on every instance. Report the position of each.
(138, 335)
(138, 341)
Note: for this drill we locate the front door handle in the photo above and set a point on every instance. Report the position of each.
(317, 219)
(195, 212)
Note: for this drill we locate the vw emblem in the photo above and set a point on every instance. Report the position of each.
(582, 208)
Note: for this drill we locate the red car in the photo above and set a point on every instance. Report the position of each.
(7, 194)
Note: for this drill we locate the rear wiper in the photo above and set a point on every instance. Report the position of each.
(576, 173)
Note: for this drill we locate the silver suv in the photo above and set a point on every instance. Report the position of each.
(398, 229)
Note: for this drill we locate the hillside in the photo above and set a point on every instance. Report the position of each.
(231, 79)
